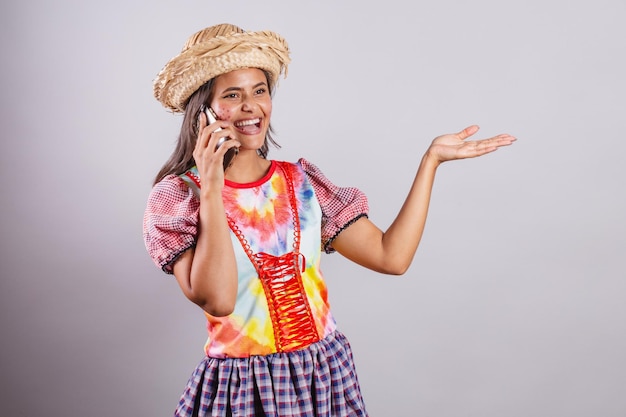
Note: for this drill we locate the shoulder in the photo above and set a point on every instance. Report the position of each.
(170, 192)
(170, 184)
(307, 166)
(312, 172)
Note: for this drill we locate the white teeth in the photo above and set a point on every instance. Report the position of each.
(248, 122)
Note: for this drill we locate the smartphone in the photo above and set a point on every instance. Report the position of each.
(230, 155)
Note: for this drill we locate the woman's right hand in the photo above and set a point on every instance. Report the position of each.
(207, 274)
(209, 160)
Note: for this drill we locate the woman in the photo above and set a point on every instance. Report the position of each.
(244, 240)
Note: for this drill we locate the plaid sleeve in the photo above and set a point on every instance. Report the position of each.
(170, 221)
(341, 206)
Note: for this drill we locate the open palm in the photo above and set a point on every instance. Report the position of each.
(456, 146)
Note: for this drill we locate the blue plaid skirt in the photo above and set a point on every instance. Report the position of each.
(317, 381)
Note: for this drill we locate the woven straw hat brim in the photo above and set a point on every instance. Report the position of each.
(197, 64)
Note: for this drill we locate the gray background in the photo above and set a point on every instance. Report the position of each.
(515, 303)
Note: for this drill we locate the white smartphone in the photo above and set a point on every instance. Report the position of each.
(230, 155)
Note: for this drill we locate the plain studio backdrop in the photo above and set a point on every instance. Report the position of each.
(515, 304)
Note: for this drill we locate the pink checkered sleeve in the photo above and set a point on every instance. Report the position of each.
(341, 206)
(170, 221)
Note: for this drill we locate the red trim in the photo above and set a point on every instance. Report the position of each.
(193, 178)
(263, 180)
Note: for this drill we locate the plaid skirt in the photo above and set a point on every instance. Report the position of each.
(317, 381)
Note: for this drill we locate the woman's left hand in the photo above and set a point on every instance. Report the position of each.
(455, 146)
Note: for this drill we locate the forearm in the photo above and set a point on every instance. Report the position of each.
(392, 251)
(401, 240)
(213, 273)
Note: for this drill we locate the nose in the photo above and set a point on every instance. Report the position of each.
(248, 104)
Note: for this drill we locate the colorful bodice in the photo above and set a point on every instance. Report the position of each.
(282, 301)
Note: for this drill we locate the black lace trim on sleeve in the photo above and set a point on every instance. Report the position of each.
(328, 245)
(167, 266)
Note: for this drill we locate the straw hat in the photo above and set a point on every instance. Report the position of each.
(214, 51)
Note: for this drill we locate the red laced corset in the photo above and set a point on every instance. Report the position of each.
(292, 320)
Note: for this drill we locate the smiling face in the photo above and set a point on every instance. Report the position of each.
(242, 97)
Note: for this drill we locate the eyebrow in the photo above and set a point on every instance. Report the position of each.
(262, 83)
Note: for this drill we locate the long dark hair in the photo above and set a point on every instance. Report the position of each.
(181, 160)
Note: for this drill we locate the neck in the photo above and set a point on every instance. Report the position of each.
(247, 167)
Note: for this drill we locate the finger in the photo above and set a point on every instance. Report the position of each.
(228, 144)
(202, 121)
(506, 139)
(203, 135)
(492, 144)
(210, 135)
(220, 136)
(501, 140)
(467, 132)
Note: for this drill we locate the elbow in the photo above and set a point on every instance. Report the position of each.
(396, 270)
(219, 310)
(401, 264)
(221, 305)
(395, 267)
(388, 267)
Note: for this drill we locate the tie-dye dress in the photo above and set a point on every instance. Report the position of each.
(279, 353)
